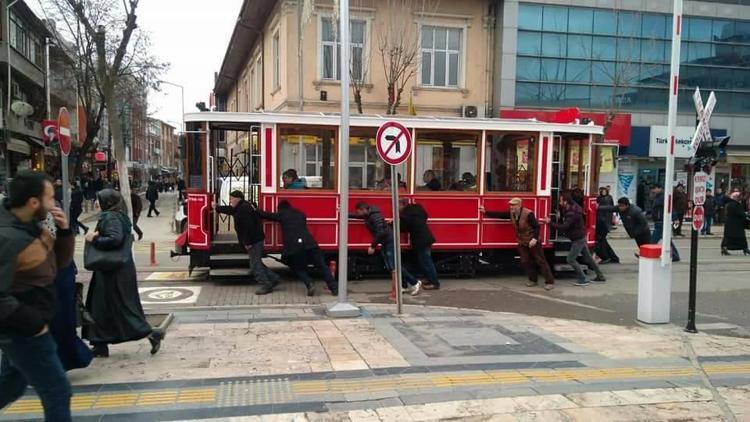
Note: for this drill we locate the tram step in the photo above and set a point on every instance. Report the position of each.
(228, 273)
(228, 261)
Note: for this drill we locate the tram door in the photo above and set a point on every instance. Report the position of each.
(237, 167)
(570, 169)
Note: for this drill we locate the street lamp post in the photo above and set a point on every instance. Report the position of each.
(182, 101)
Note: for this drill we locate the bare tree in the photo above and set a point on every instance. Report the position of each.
(398, 45)
(112, 55)
(358, 75)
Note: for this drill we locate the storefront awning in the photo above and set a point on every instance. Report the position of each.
(738, 157)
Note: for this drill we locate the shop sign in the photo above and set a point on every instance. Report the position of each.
(660, 140)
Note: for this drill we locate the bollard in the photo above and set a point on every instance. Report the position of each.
(153, 255)
(654, 286)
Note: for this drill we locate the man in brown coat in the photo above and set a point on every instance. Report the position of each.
(679, 206)
(30, 259)
(529, 248)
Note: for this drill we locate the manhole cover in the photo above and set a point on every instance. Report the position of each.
(157, 295)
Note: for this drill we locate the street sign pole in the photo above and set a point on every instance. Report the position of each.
(699, 198)
(342, 308)
(396, 240)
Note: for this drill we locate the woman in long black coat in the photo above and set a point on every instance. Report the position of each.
(113, 299)
(734, 228)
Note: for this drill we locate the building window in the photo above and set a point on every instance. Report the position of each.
(510, 162)
(311, 152)
(441, 56)
(276, 63)
(331, 49)
(25, 42)
(256, 80)
(447, 161)
(573, 55)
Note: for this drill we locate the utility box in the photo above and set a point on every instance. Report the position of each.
(654, 286)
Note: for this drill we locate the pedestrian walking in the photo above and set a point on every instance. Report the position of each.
(250, 235)
(113, 300)
(709, 206)
(300, 247)
(152, 195)
(382, 235)
(31, 258)
(571, 225)
(137, 204)
(679, 206)
(734, 230)
(76, 209)
(634, 220)
(530, 250)
(414, 221)
(657, 192)
(180, 189)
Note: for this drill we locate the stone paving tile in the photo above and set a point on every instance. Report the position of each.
(738, 399)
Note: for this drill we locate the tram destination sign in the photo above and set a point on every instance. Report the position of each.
(394, 143)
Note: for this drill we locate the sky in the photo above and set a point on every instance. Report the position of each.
(192, 36)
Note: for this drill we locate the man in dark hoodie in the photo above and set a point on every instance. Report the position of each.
(250, 234)
(383, 235)
(27, 294)
(414, 221)
(300, 247)
(572, 226)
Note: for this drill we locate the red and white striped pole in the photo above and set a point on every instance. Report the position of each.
(674, 81)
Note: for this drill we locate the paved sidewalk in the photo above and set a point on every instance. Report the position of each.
(293, 363)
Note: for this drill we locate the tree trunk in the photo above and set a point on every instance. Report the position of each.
(389, 109)
(119, 149)
(358, 100)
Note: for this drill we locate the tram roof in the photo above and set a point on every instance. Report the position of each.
(242, 121)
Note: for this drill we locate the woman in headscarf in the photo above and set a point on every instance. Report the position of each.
(113, 299)
(734, 228)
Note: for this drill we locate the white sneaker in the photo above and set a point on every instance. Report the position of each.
(416, 288)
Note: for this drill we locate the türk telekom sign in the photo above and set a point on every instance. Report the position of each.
(660, 141)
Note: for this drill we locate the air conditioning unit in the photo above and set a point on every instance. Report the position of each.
(471, 111)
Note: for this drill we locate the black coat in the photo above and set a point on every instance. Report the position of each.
(294, 232)
(635, 222)
(734, 227)
(152, 193)
(572, 224)
(414, 221)
(710, 206)
(76, 201)
(137, 204)
(380, 230)
(247, 222)
(113, 299)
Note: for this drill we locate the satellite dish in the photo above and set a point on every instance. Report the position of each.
(22, 108)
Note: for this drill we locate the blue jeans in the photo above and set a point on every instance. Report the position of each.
(656, 238)
(389, 257)
(427, 265)
(709, 221)
(34, 361)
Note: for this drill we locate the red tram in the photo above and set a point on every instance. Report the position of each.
(457, 165)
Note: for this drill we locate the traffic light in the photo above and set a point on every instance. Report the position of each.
(709, 153)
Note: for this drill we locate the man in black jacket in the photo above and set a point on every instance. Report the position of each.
(300, 247)
(634, 221)
(152, 194)
(29, 264)
(137, 204)
(250, 234)
(710, 207)
(383, 235)
(76, 209)
(573, 226)
(414, 221)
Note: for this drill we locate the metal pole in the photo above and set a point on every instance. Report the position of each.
(693, 280)
(396, 239)
(342, 308)
(666, 255)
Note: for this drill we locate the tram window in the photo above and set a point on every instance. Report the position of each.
(510, 162)
(366, 170)
(311, 152)
(446, 161)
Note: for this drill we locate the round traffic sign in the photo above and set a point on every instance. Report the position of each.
(394, 143)
(63, 127)
(699, 215)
